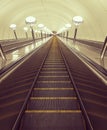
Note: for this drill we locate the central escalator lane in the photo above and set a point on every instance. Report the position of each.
(53, 104)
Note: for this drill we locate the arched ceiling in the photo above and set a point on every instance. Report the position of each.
(54, 14)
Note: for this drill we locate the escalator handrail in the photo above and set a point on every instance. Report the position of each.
(99, 69)
(7, 68)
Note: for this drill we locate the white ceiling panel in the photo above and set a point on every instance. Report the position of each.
(55, 14)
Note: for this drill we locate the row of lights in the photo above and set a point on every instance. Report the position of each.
(77, 20)
(30, 20)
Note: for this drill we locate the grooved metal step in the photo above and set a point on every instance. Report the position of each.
(53, 120)
(53, 92)
(55, 69)
(53, 103)
(53, 82)
(54, 78)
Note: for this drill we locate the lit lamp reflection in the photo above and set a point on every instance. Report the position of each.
(77, 20)
(41, 26)
(68, 26)
(15, 55)
(36, 32)
(45, 29)
(26, 29)
(27, 49)
(13, 27)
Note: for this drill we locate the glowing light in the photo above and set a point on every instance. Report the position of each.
(77, 20)
(36, 31)
(27, 49)
(25, 29)
(40, 25)
(68, 25)
(13, 26)
(30, 20)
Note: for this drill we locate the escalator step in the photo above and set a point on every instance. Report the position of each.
(53, 85)
(53, 103)
(53, 78)
(58, 82)
(55, 69)
(56, 72)
(52, 66)
(53, 73)
(56, 120)
(52, 93)
(53, 88)
(58, 64)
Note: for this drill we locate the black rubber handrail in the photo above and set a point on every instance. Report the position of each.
(101, 70)
(97, 44)
(16, 42)
(24, 43)
(97, 66)
(86, 117)
(20, 115)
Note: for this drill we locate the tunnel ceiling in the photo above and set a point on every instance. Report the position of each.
(54, 14)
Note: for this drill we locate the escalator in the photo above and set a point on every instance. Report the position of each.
(53, 90)
(53, 104)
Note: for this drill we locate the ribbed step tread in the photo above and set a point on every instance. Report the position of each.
(54, 78)
(52, 93)
(54, 81)
(53, 85)
(52, 103)
(62, 63)
(53, 73)
(52, 66)
(55, 69)
(53, 121)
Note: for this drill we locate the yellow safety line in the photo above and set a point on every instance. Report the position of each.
(55, 76)
(54, 72)
(54, 60)
(53, 98)
(46, 63)
(54, 68)
(52, 111)
(54, 81)
(53, 88)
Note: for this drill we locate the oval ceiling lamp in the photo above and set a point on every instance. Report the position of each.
(68, 25)
(77, 20)
(41, 26)
(30, 20)
(25, 29)
(13, 27)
